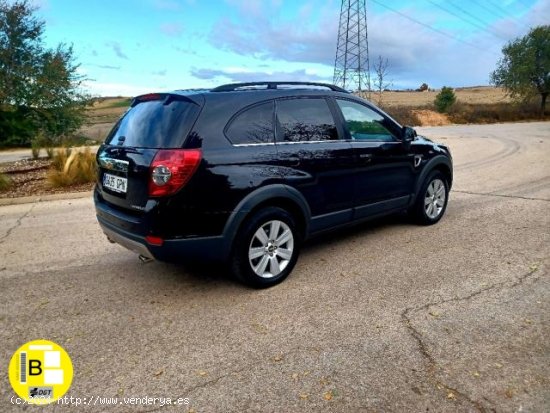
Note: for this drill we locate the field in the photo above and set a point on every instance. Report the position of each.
(480, 104)
(473, 95)
(102, 115)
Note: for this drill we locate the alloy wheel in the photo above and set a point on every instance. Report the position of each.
(271, 249)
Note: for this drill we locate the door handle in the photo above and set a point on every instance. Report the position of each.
(365, 157)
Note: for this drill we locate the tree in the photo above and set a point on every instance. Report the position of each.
(445, 99)
(40, 88)
(524, 69)
(381, 80)
(423, 87)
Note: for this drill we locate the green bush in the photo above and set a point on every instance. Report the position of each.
(17, 127)
(49, 152)
(5, 182)
(445, 99)
(35, 148)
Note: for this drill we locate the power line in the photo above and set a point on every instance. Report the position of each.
(467, 13)
(473, 16)
(505, 12)
(450, 36)
(498, 14)
(479, 26)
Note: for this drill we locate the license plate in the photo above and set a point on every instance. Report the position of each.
(115, 183)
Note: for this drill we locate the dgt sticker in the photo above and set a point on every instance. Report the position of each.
(40, 371)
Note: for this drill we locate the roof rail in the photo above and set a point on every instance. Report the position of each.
(193, 90)
(274, 85)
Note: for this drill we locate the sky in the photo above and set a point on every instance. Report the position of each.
(130, 47)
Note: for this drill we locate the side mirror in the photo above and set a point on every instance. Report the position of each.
(409, 134)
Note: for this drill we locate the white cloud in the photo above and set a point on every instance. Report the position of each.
(117, 89)
(415, 53)
(256, 76)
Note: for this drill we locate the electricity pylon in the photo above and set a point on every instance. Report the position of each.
(351, 67)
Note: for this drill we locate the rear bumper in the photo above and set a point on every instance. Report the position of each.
(129, 232)
(173, 250)
(126, 240)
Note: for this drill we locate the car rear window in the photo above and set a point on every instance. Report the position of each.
(162, 123)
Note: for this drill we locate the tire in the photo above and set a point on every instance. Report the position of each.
(266, 248)
(432, 199)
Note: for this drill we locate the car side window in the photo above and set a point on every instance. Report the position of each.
(254, 125)
(364, 123)
(306, 120)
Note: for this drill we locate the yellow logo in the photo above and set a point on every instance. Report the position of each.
(40, 372)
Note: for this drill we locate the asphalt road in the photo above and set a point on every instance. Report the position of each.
(386, 317)
(13, 155)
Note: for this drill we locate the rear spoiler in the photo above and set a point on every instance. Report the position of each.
(167, 98)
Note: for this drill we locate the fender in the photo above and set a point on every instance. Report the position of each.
(429, 167)
(255, 198)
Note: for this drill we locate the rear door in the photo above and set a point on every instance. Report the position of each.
(155, 121)
(384, 166)
(316, 160)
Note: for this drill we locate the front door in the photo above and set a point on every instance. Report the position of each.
(384, 175)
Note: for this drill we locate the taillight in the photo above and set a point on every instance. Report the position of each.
(171, 169)
(157, 241)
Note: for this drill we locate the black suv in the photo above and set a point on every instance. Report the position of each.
(244, 173)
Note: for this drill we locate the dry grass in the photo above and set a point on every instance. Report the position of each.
(473, 95)
(462, 112)
(101, 116)
(107, 109)
(97, 131)
(466, 113)
(72, 168)
(473, 105)
(403, 114)
(111, 102)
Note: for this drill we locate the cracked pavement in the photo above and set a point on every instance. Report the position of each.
(388, 316)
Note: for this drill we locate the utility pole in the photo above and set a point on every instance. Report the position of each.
(351, 67)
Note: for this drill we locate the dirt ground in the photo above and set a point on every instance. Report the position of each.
(431, 118)
(29, 177)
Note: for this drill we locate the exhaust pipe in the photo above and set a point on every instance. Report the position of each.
(144, 259)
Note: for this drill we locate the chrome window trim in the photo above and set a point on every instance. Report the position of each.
(287, 143)
(373, 141)
(308, 142)
(253, 144)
